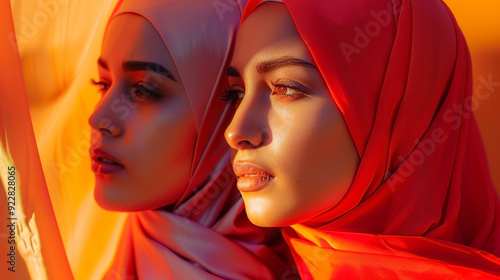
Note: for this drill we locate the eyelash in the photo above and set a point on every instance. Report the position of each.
(140, 92)
(102, 86)
(232, 95)
(287, 85)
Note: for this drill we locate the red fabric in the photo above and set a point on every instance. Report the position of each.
(422, 203)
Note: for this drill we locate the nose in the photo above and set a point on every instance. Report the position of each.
(249, 128)
(106, 118)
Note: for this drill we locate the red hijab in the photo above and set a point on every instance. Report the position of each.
(207, 234)
(422, 203)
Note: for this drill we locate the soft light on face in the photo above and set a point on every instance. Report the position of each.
(295, 157)
(143, 130)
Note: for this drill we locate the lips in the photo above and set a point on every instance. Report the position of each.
(251, 177)
(103, 163)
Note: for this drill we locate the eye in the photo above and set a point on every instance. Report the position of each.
(102, 86)
(284, 90)
(232, 95)
(141, 91)
(288, 91)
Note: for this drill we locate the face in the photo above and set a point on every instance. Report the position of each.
(143, 130)
(294, 155)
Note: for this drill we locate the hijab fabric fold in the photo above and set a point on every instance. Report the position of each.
(206, 235)
(422, 203)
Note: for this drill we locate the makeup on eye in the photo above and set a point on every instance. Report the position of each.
(288, 90)
(283, 90)
(101, 85)
(233, 95)
(286, 94)
(148, 80)
(142, 91)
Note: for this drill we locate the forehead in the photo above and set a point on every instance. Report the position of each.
(130, 37)
(268, 32)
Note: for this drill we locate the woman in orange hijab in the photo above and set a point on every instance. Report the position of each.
(354, 127)
(158, 149)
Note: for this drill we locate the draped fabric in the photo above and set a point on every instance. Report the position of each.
(422, 203)
(206, 235)
(27, 216)
(58, 46)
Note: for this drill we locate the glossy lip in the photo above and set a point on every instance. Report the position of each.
(103, 163)
(251, 177)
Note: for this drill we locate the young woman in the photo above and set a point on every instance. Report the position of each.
(354, 128)
(158, 149)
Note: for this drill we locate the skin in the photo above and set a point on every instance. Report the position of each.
(143, 120)
(287, 124)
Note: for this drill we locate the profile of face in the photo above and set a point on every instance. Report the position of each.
(295, 157)
(143, 129)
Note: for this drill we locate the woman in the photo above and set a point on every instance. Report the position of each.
(158, 147)
(352, 128)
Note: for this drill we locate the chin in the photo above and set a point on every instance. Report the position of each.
(263, 214)
(257, 220)
(114, 197)
(263, 220)
(111, 200)
(107, 204)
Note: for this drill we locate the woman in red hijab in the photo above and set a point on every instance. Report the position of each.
(354, 127)
(158, 150)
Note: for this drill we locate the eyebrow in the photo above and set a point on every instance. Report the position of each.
(273, 64)
(231, 71)
(147, 66)
(140, 66)
(102, 63)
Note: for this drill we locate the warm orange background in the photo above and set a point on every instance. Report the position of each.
(480, 23)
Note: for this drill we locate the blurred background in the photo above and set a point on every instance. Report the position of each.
(480, 23)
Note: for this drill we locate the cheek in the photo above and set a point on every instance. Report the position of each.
(318, 160)
(301, 137)
(167, 137)
(162, 161)
(167, 146)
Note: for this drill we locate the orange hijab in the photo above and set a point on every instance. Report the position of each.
(422, 203)
(206, 235)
